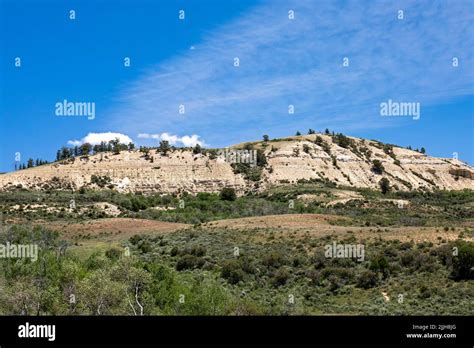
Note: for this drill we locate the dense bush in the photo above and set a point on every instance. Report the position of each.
(189, 262)
(434, 275)
(332, 285)
(377, 167)
(463, 263)
(341, 140)
(384, 184)
(281, 277)
(101, 181)
(113, 253)
(367, 279)
(228, 194)
(379, 264)
(232, 272)
(273, 259)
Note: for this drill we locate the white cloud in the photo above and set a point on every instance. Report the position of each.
(149, 136)
(74, 142)
(97, 138)
(185, 140)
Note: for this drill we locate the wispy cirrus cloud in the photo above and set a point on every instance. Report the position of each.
(300, 62)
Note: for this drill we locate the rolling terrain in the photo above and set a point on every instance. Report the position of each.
(186, 232)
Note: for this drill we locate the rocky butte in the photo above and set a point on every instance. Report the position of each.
(336, 159)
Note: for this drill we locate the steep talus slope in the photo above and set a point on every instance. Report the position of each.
(313, 157)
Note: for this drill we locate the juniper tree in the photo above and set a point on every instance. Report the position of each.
(164, 147)
(85, 149)
(384, 185)
(377, 167)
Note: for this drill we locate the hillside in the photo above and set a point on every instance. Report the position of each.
(345, 161)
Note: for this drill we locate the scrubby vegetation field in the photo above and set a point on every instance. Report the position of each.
(106, 253)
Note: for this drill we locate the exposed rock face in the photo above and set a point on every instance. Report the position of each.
(129, 171)
(288, 160)
(352, 166)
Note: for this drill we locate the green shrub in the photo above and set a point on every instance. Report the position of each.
(273, 259)
(407, 259)
(232, 271)
(314, 276)
(384, 184)
(341, 140)
(144, 246)
(379, 264)
(281, 277)
(425, 292)
(100, 181)
(113, 253)
(189, 262)
(463, 263)
(228, 194)
(377, 167)
(174, 251)
(196, 250)
(367, 279)
(344, 275)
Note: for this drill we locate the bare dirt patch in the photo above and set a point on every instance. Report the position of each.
(114, 228)
(344, 196)
(285, 221)
(318, 225)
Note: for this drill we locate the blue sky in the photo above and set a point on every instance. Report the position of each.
(190, 62)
